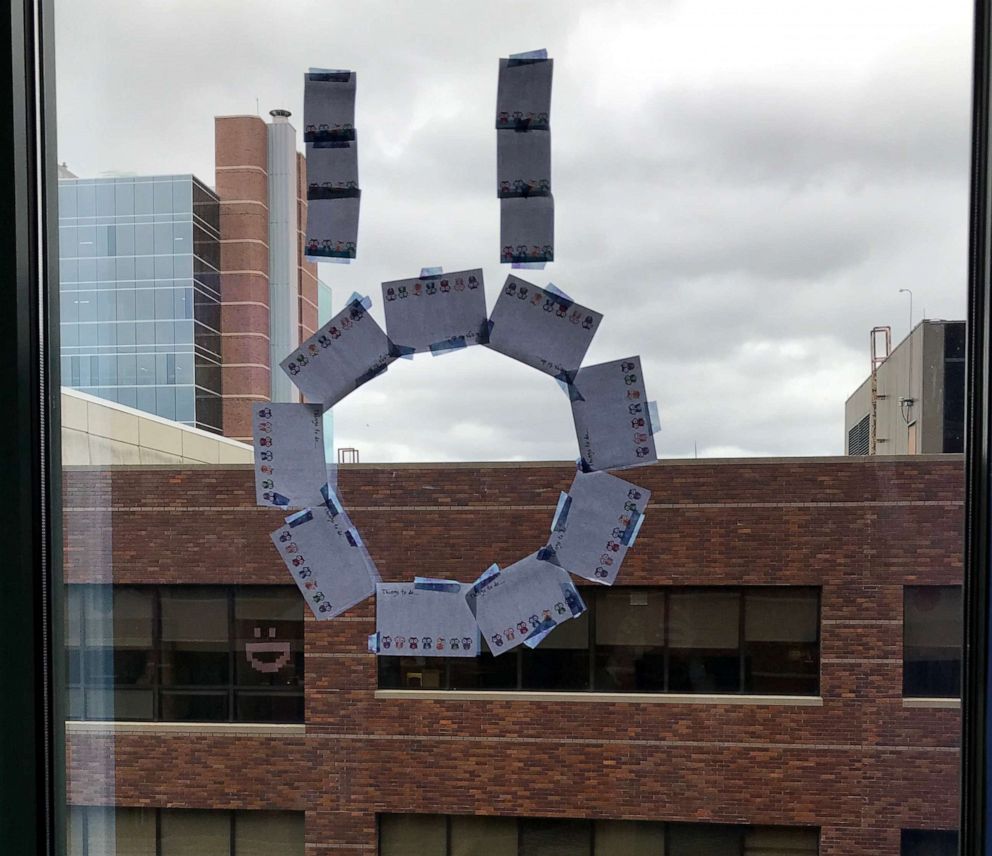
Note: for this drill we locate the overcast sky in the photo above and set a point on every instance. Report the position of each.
(741, 188)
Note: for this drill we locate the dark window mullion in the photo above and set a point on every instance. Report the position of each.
(231, 663)
(740, 640)
(157, 658)
(666, 683)
(591, 638)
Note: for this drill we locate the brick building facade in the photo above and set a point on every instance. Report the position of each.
(858, 761)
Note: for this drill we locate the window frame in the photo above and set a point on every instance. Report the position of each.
(906, 590)
(232, 690)
(32, 741)
(520, 820)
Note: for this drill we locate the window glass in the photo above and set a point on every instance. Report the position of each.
(268, 640)
(630, 640)
(703, 840)
(769, 841)
(105, 199)
(194, 637)
(163, 196)
(781, 648)
(629, 838)
(195, 833)
(67, 199)
(932, 641)
(485, 672)
(182, 195)
(555, 837)
(483, 836)
(929, 842)
(561, 661)
(144, 239)
(124, 197)
(268, 833)
(704, 641)
(412, 835)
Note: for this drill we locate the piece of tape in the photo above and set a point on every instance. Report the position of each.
(560, 520)
(365, 377)
(455, 343)
(300, 517)
(539, 633)
(654, 418)
(431, 584)
(374, 642)
(331, 501)
(630, 533)
(431, 272)
(404, 352)
(573, 599)
(540, 53)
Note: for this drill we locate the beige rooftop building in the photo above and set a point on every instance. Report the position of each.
(96, 431)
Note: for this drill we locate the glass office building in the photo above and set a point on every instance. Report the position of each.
(140, 294)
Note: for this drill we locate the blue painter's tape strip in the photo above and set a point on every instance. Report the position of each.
(403, 351)
(279, 500)
(654, 418)
(573, 599)
(321, 74)
(574, 394)
(630, 533)
(455, 343)
(555, 290)
(560, 520)
(540, 53)
(431, 272)
(362, 300)
(528, 265)
(548, 554)
(299, 518)
(585, 466)
(482, 337)
(539, 633)
(374, 643)
(331, 501)
(431, 584)
(365, 377)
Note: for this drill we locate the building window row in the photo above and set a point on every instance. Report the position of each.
(175, 653)
(465, 835)
(760, 640)
(113, 830)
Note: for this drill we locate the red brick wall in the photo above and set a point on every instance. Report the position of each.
(241, 155)
(861, 766)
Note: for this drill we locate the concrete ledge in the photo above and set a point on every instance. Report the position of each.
(593, 698)
(939, 703)
(226, 729)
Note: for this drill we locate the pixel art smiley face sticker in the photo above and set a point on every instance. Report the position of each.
(267, 654)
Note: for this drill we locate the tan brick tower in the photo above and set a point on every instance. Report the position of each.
(244, 187)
